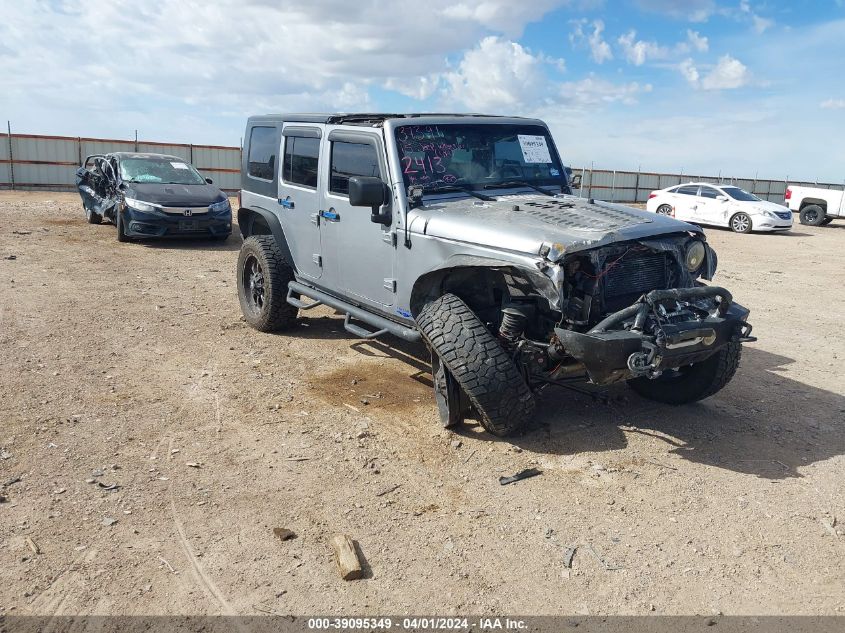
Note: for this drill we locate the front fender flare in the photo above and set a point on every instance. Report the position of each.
(426, 287)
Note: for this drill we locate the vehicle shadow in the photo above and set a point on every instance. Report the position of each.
(232, 244)
(763, 423)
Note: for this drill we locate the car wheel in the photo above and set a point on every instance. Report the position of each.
(480, 366)
(693, 382)
(263, 278)
(741, 223)
(121, 230)
(665, 209)
(93, 218)
(812, 215)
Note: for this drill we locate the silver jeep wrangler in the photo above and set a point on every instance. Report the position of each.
(462, 232)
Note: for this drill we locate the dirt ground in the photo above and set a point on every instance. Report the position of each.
(128, 365)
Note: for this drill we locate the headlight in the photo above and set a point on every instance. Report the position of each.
(220, 207)
(695, 256)
(139, 205)
(770, 214)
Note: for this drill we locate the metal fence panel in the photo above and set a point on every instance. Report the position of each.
(182, 151)
(5, 165)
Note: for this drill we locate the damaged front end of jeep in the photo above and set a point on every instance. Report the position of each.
(621, 311)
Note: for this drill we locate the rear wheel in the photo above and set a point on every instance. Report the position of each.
(741, 223)
(479, 365)
(812, 215)
(693, 382)
(665, 209)
(263, 278)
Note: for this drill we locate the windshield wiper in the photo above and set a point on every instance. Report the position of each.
(519, 183)
(463, 189)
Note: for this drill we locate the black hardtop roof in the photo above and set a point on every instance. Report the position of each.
(364, 118)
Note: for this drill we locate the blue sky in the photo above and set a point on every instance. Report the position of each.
(704, 86)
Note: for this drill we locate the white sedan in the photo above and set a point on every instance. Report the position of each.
(720, 205)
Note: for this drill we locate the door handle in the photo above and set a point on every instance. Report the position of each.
(331, 214)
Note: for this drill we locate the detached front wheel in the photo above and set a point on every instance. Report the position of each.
(263, 278)
(693, 382)
(479, 365)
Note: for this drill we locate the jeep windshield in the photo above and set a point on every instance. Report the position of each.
(162, 171)
(454, 157)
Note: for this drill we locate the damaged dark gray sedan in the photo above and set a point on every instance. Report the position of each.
(152, 195)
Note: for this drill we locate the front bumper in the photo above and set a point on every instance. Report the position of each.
(765, 223)
(613, 355)
(159, 224)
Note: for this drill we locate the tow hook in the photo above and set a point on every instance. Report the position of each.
(645, 363)
(745, 333)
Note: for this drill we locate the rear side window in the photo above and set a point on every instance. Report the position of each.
(301, 160)
(262, 153)
(688, 191)
(351, 159)
(709, 192)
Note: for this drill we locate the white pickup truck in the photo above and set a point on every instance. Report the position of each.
(816, 206)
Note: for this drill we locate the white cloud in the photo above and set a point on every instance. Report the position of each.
(689, 71)
(637, 52)
(593, 91)
(698, 42)
(495, 76)
(833, 104)
(729, 73)
(690, 10)
(599, 49)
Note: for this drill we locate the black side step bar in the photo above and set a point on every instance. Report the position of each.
(382, 325)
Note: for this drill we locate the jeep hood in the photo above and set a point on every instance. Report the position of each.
(535, 224)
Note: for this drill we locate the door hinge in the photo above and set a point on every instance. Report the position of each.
(315, 219)
(389, 238)
(317, 260)
(390, 284)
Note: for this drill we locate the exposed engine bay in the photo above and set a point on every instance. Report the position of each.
(630, 309)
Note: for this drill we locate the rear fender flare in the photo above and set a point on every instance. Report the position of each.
(260, 221)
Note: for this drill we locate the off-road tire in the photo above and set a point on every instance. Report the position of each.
(481, 366)
(121, 232)
(93, 218)
(697, 381)
(274, 314)
(812, 215)
(738, 225)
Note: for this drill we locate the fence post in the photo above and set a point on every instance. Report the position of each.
(581, 186)
(191, 153)
(79, 150)
(613, 187)
(11, 158)
(637, 184)
(590, 188)
(136, 140)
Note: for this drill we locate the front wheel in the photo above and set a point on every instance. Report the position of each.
(121, 229)
(693, 382)
(263, 278)
(92, 217)
(665, 209)
(741, 223)
(478, 363)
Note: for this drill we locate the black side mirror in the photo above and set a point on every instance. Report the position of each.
(366, 191)
(209, 181)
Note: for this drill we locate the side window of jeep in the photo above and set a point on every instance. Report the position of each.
(351, 159)
(301, 161)
(262, 153)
